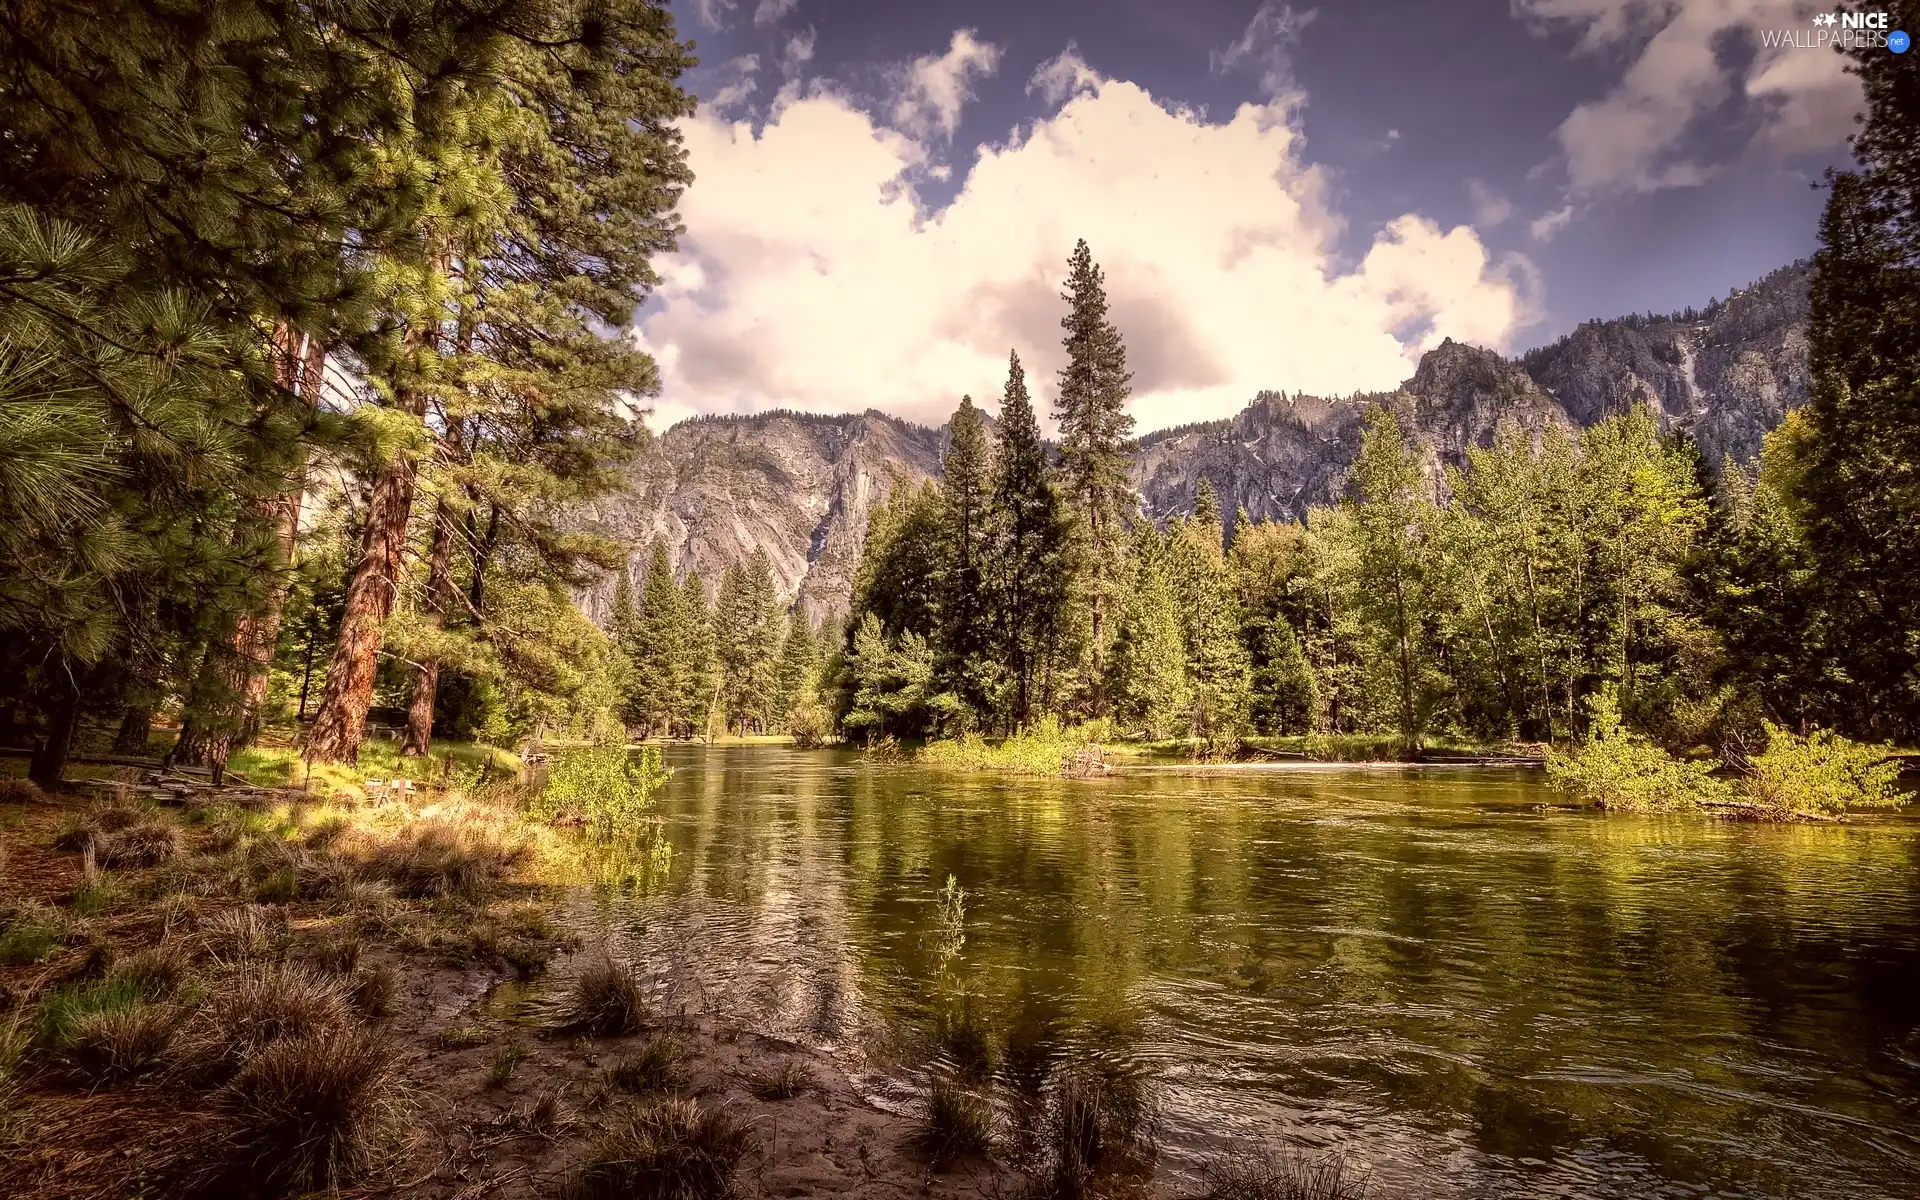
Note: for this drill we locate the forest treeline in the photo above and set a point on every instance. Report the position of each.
(254, 252)
(305, 369)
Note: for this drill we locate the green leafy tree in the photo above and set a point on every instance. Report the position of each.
(1149, 685)
(1217, 662)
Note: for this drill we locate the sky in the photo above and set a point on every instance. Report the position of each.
(1286, 197)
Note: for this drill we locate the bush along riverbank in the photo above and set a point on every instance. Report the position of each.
(1817, 777)
(267, 996)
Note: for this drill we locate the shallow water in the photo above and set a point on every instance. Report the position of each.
(1474, 996)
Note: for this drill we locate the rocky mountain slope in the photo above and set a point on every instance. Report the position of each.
(801, 487)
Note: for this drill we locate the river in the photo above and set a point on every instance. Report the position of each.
(1467, 988)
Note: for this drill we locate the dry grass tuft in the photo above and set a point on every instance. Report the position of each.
(20, 791)
(307, 1113)
(784, 1083)
(146, 844)
(118, 1043)
(1267, 1175)
(959, 1122)
(371, 992)
(1097, 1122)
(671, 1149)
(655, 1067)
(156, 972)
(241, 934)
(606, 1002)
(257, 1008)
(445, 858)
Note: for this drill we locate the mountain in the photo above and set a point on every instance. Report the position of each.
(801, 487)
(798, 486)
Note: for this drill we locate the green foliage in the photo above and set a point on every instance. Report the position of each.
(1044, 748)
(1618, 769)
(1821, 774)
(608, 788)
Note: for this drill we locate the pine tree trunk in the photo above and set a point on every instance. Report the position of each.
(136, 727)
(439, 588)
(231, 689)
(341, 721)
(49, 761)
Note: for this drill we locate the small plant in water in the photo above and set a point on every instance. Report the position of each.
(606, 788)
(1820, 775)
(1618, 769)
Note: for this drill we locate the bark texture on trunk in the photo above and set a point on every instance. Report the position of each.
(341, 720)
(439, 592)
(231, 689)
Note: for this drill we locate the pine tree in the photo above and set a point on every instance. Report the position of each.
(1217, 660)
(1148, 678)
(1095, 437)
(747, 633)
(658, 650)
(966, 617)
(697, 706)
(799, 669)
(1028, 536)
(1861, 487)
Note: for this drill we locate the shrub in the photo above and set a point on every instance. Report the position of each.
(655, 1067)
(1279, 1176)
(809, 725)
(606, 1002)
(958, 1124)
(1822, 774)
(1618, 769)
(606, 788)
(1044, 748)
(672, 1149)
(307, 1112)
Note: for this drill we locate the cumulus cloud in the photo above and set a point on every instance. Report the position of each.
(1637, 136)
(1547, 226)
(811, 276)
(770, 11)
(930, 91)
(1490, 207)
(1267, 44)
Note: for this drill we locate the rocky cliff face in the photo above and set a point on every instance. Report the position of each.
(801, 487)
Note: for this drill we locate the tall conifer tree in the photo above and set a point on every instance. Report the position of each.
(1028, 536)
(966, 617)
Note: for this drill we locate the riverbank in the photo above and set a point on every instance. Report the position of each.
(265, 997)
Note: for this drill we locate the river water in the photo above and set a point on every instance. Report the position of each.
(1472, 992)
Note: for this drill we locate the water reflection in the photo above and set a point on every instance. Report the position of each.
(1476, 996)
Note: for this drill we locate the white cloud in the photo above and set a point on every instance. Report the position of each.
(1065, 74)
(799, 50)
(1266, 43)
(1547, 226)
(1490, 207)
(810, 276)
(770, 11)
(713, 13)
(931, 90)
(740, 85)
(1637, 136)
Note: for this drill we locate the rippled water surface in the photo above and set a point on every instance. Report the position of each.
(1474, 996)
